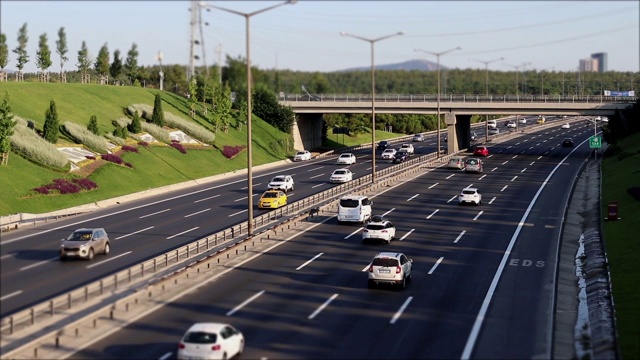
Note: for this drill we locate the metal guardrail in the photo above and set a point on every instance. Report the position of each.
(457, 98)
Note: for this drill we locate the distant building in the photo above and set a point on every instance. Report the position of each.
(588, 65)
(602, 61)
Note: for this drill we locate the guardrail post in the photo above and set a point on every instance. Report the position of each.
(232, 233)
(142, 270)
(166, 260)
(177, 255)
(129, 272)
(86, 293)
(11, 325)
(155, 265)
(51, 307)
(69, 301)
(187, 251)
(101, 287)
(115, 281)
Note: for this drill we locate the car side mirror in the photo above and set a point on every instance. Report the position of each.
(410, 260)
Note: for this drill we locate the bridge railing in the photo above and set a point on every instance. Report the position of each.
(457, 98)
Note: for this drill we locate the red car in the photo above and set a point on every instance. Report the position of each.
(481, 151)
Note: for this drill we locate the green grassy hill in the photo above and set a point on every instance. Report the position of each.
(153, 166)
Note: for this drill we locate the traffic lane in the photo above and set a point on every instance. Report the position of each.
(518, 323)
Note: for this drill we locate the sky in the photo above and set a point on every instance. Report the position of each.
(305, 36)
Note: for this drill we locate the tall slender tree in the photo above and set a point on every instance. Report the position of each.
(21, 49)
(102, 61)
(6, 129)
(116, 66)
(84, 59)
(43, 55)
(131, 64)
(51, 123)
(61, 49)
(158, 115)
(93, 125)
(4, 52)
(134, 127)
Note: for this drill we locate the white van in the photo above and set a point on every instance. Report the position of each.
(492, 124)
(354, 208)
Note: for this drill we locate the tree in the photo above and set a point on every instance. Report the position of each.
(222, 108)
(43, 55)
(6, 129)
(131, 64)
(84, 60)
(4, 52)
(93, 125)
(50, 129)
(102, 61)
(61, 48)
(158, 115)
(135, 127)
(116, 66)
(21, 49)
(192, 89)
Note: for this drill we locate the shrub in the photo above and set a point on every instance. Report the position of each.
(190, 128)
(176, 145)
(33, 147)
(86, 137)
(231, 151)
(115, 139)
(135, 127)
(113, 158)
(93, 125)
(66, 186)
(143, 143)
(129, 148)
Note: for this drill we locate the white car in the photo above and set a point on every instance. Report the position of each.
(511, 124)
(390, 268)
(522, 121)
(341, 176)
(408, 148)
(494, 131)
(382, 230)
(302, 156)
(281, 182)
(346, 158)
(565, 126)
(388, 154)
(470, 195)
(211, 341)
(604, 119)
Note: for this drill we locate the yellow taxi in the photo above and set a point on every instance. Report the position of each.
(272, 199)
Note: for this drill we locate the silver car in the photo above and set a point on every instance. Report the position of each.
(85, 243)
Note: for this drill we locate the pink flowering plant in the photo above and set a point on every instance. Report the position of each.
(176, 145)
(129, 148)
(66, 186)
(231, 151)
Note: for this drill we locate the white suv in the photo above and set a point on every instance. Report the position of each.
(390, 268)
(388, 154)
(408, 148)
(382, 230)
(281, 182)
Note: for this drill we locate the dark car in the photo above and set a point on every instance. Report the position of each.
(400, 157)
(567, 142)
(474, 136)
(382, 145)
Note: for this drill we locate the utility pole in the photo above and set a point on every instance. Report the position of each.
(219, 53)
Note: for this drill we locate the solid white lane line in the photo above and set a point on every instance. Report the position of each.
(11, 295)
(133, 233)
(494, 169)
(490, 202)
(165, 356)
(155, 213)
(353, 233)
(315, 186)
(459, 236)
(523, 170)
(309, 262)
(237, 213)
(482, 177)
(413, 197)
(198, 212)
(184, 232)
(405, 235)
(387, 213)
(313, 177)
(435, 265)
(433, 213)
(432, 186)
(37, 264)
(109, 259)
(244, 303)
(396, 316)
(326, 303)
(515, 177)
(477, 216)
(314, 169)
(450, 176)
(207, 198)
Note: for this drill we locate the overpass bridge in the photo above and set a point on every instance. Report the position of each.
(457, 109)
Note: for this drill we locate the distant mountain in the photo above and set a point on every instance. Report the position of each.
(409, 65)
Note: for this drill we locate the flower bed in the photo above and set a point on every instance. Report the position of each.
(232, 151)
(176, 145)
(66, 186)
(116, 160)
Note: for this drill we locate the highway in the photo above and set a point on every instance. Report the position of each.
(142, 229)
(483, 276)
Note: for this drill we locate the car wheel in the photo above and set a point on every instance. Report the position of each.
(107, 248)
(479, 203)
(403, 284)
(371, 284)
(410, 278)
(63, 258)
(90, 257)
(224, 356)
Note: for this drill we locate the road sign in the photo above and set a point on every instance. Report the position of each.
(595, 142)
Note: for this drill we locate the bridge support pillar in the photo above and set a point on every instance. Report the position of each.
(307, 131)
(458, 131)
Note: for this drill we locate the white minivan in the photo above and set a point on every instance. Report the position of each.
(354, 208)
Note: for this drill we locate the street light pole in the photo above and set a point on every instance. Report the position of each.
(486, 72)
(373, 96)
(542, 79)
(438, 106)
(247, 17)
(517, 73)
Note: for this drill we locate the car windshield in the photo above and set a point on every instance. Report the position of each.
(270, 195)
(386, 262)
(278, 179)
(472, 162)
(375, 227)
(345, 155)
(200, 337)
(300, 153)
(80, 236)
(349, 203)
